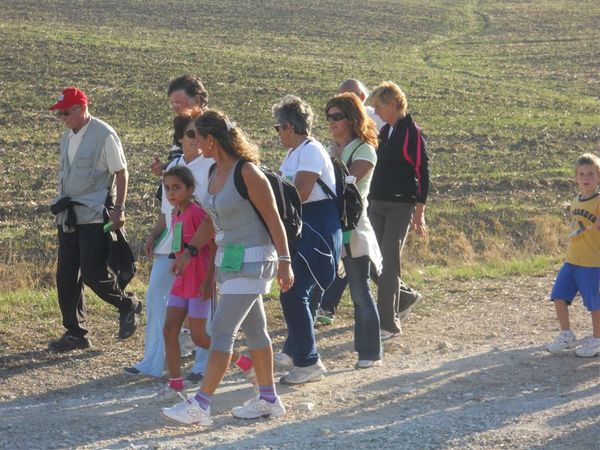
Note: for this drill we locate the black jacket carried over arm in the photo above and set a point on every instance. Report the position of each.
(402, 170)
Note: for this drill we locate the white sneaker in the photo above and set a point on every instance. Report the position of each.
(385, 334)
(188, 412)
(367, 363)
(589, 348)
(566, 340)
(299, 375)
(283, 359)
(256, 407)
(186, 345)
(167, 393)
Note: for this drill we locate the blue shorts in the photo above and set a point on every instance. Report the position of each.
(572, 279)
(197, 308)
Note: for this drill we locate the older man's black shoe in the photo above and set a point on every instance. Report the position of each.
(68, 342)
(128, 320)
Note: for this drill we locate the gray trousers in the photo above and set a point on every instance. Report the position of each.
(235, 311)
(391, 222)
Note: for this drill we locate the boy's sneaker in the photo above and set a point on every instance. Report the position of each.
(589, 348)
(188, 412)
(186, 345)
(257, 407)
(324, 317)
(167, 393)
(300, 375)
(283, 359)
(367, 363)
(566, 340)
(193, 379)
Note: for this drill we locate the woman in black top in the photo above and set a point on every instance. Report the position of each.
(396, 200)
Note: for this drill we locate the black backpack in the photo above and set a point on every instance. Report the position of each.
(286, 196)
(347, 196)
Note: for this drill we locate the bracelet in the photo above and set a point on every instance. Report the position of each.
(284, 258)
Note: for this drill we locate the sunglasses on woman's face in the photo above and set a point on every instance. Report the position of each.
(190, 134)
(336, 117)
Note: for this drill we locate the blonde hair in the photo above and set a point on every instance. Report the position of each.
(588, 158)
(229, 136)
(362, 126)
(388, 92)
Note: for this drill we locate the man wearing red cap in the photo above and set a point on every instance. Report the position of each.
(92, 179)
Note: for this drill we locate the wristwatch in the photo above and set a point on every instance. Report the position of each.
(193, 250)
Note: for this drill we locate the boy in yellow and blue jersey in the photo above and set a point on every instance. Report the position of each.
(581, 271)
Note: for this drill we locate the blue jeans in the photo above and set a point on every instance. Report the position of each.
(330, 299)
(300, 343)
(367, 341)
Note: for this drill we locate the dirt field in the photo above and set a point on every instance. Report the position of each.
(469, 372)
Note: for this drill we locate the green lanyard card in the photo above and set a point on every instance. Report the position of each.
(233, 257)
(177, 237)
(160, 238)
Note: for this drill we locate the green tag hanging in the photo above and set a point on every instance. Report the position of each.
(346, 236)
(233, 257)
(177, 237)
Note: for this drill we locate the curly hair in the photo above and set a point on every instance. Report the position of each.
(230, 136)
(296, 112)
(363, 126)
(388, 92)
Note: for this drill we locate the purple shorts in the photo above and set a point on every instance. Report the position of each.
(572, 279)
(196, 307)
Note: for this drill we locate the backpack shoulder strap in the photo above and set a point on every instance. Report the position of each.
(352, 154)
(238, 179)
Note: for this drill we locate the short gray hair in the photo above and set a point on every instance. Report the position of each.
(296, 112)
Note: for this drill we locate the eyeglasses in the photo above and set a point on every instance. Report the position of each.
(190, 133)
(67, 112)
(277, 126)
(336, 117)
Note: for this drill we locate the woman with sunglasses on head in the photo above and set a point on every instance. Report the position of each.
(251, 250)
(187, 97)
(315, 255)
(354, 135)
(397, 201)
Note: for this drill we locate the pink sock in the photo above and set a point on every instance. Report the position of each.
(176, 383)
(244, 363)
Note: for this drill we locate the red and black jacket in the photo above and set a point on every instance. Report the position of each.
(402, 170)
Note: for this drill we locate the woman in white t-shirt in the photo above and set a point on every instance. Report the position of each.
(316, 253)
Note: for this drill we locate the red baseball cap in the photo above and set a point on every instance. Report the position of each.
(71, 96)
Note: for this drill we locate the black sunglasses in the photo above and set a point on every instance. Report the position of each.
(277, 126)
(66, 112)
(190, 133)
(336, 117)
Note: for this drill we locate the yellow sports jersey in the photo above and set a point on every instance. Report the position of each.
(584, 242)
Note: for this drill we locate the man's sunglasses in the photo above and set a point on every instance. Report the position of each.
(336, 117)
(277, 126)
(190, 133)
(66, 112)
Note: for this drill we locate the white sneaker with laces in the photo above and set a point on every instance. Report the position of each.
(367, 363)
(589, 348)
(566, 340)
(167, 393)
(186, 345)
(188, 412)
(283, 359)
(257, 407)
(299, 375)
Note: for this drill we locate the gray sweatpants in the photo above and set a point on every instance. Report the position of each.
(391, 222)
(235, 311)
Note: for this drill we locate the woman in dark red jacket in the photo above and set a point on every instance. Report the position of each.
(396, 201)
